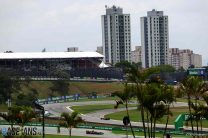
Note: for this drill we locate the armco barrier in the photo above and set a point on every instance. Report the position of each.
(95, 127)
(62, 99)
(100, 127)
(30, 124)
(116, 128)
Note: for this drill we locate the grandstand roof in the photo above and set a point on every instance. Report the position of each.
(49, 55)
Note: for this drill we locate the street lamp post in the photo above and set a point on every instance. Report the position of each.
(38, 106)
(9, 102)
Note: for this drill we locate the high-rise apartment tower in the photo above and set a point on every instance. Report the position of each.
(116, 35)
(154, 39)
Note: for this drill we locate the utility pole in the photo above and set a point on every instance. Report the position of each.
(38, 106)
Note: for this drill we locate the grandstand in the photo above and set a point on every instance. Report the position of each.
(58, 65)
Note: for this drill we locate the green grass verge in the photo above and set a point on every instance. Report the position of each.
(102, 88)
(52, 136)
(92, 108)
(136, 116)
(3, 108)
(142, 134)
(185, 100)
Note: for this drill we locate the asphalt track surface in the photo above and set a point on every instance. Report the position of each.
(57, 108)
(77, 132)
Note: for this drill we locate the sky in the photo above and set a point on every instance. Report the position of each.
(32, 25)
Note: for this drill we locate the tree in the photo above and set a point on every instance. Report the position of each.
(181, 69)
(20, 115)
(24, 114)
(166, 68)
(205, 107)
(142, 91)
(187, 87)
(60, 86)
(8, 84)
(193, 87)
(124, 98)
(139, 76)
(27, 98)
(71, 120)
(10, 116)
(141, 95)
(125, 65)
(154, 105)
(169, 98)
(198, 90)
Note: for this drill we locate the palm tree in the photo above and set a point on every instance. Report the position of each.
(71, 120)
(194, 87)
(198, 114)
(154, 105)
(169, 98)
(200, 88)
(150, 105)
(141, 92)
(124, 98)
(10, 116)
(138, 77)
(24, 114)
(205, 107)
(187, 86)
(20, 115)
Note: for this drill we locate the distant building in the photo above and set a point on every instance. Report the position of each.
(196, 60)
(73, 49)
(174, 57)
(100, 50)
(116, 35)
(184, 58)
(136, 55)
(154, 39)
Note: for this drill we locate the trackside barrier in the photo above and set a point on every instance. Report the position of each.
(62, 99)
(124, 129)
(95, 127)
(30, 124)
(110, 128)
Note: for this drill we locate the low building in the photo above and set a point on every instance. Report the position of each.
(100, 50)
(184, 58)
(174, 57)
(136, 55)
(196, 60)
(73, 49)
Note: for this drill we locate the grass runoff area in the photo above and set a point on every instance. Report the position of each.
(134, 114)
(136, 117)
(51, 136)
(92, 108)
(159, 135)
(3, 108)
